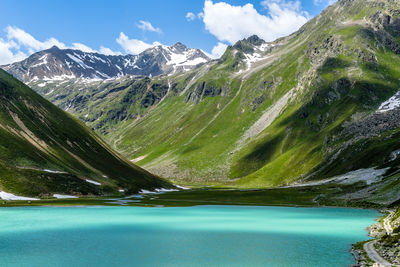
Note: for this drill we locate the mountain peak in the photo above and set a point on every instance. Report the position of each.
(179, 47)
(254, 40)
(54, 47)
(248, 45)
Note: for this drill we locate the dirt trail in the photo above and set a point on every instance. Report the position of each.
(373, 255)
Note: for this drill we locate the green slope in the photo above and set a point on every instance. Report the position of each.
(336, 69)
(43, 150)
(302, 111)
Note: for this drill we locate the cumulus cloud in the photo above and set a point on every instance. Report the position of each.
(283, 17)
(107, 51)
(133, 46)
(190, 16)
(146, 26)
(25, 39)
(218, 50)
(8, 53)
(19, 44)
(83, 48)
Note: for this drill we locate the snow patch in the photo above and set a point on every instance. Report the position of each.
(257, 55)
(394, 154)
(183, 59)
(52, 171)
(42, 61)
(92, 182)
(157, 191)
(162, 190)
(9, 196)
(59, 77)
(390, 104)
(58, 196)
(79, 61)
(181, 187)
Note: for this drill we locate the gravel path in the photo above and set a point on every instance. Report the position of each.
(373, 254)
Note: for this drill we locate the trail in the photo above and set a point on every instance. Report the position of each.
(373, 254)
(369, 246)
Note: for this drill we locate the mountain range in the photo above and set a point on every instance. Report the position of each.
(56, 64)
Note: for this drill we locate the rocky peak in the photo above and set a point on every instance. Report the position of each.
(254, 40)
(179, 47)
(54, 48)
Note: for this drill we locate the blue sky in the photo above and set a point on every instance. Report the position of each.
(27, 26)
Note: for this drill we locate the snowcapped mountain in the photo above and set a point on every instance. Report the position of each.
(60, 64)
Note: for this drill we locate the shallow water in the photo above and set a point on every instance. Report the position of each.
(184, 236)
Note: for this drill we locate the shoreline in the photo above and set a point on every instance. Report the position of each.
(195, 198)
(365, 252)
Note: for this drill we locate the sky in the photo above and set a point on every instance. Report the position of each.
(130, 27)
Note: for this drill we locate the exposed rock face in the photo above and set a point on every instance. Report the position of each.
(374, 124)
(203, 90)
(60, 64)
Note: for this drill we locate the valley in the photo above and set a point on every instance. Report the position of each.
(266, 119)
(311, 119)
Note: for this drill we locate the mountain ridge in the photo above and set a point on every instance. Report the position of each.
(45, 151)
(62, 64)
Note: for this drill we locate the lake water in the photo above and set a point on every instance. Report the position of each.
(184, 236)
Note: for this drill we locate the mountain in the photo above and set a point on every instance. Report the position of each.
(45, 151)
(56, 64)
(320, 106)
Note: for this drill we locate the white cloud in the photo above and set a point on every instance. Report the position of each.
(133, 46)
(190, 16)
(243, 21)
(107, 51)
(83, 48)
(25, 39)
(7, 55)
(146, 26)
(218, 50)
(19, 44)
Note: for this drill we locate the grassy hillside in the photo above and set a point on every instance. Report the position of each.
(285, 116)
(305, 109)
(43, 150)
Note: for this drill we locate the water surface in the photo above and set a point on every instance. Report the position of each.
(184, 236)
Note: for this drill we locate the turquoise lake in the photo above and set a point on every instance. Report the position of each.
(184, 236)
